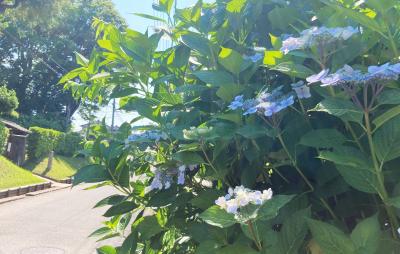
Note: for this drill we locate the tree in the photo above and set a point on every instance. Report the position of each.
(7, 4)
(36, 50)
(8, 101)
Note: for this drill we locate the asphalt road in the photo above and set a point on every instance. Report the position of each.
(54, 223)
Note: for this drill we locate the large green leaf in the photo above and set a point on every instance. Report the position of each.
(106, 250)
(149, 227)
(228, 92)
(387, 140)
(363, 179)
(366, 235)
(120, 208)
(129, 245)
(270, 208)
(293, 69)
(383, 118)
(197, 42)
(218, 217)
(341, 108)
(330, 239)
(237, 249)
(235, 6)
(323, 138)
(91, 174)
(215, 78)
(346, 156)
(389, 96)
(231, 60)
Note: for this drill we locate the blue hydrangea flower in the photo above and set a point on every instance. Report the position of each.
(255, 58)
(314, 35)
(317, 77)
(301, 89)
(236, 103)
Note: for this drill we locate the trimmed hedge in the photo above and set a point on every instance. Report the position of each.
(4, 132)
(42, 141)
(69, 144)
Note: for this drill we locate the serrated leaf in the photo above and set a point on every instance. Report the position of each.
(270, 208)
(120, 208)
(343, 109)
(218, 217)
(387, 140)
(323, 138)
(366, 235)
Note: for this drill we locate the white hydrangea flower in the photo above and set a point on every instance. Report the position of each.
(241, 197)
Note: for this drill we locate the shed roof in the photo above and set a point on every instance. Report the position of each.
(12, 125)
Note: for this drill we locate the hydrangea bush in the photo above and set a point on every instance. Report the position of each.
(263, 127)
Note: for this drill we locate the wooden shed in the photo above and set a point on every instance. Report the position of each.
(17, 141)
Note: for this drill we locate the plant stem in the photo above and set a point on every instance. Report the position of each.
(394, 223)
(254, 235)
(294, 164)
(353, 134)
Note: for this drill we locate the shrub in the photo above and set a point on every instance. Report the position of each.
(41, 141)
(8, 100)
(47, 122)
(69, 144)
(268, 138)
(4, 132)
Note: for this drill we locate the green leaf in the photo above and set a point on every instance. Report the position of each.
(294, 231)
(346, 156)
(207, 247)
(206, 198)
(149, 227)
(188, 158)
(120, 91)
(129, 245)
(196, 42)
(330, 239)
(215, 78)
(237, 249)
(120, 208)
(394, 202)
(382, 119)
(366, 235)
(111, 200)
(270, 208)
(100, 232)
(106, 250)
(231, 60)
(235, 6)
(390, 97)
(362, 179)
(271, 56)
(252, 131)
(343, 109)
(293, 69)
(149, 17)
(81, 60)
(387, 140)
(166, 4)
(91, 174)
(218, 217)
(228, 92)
(323, 138)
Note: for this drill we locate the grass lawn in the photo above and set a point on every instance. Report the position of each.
(13, 176)
(63, 167)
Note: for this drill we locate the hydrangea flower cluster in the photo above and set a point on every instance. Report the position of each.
(265, 103)
(348, 75)
(241, 197)
(254, 58)
(301, 89)
(151, 135)
(315, 35)
(163, 179)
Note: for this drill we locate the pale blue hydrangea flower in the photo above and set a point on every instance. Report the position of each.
(314, 35)
(265, 103)
(236, 103)
(301, 89)
(241, 197)
(254, 58)
(317, 77)
(181, 175)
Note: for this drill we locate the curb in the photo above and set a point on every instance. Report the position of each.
(18, 191)
(32, 194)
(63, 181)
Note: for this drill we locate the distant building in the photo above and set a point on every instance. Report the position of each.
(17, 142)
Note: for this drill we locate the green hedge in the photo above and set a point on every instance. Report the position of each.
(41, 141)
(69, 144)
(4, 132)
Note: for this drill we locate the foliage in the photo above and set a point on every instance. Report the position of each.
(4, 132)
(63, 167)
(42, 141)
(38, 46)
(13, 176)
(69, 144)
(223, 114)
(8, 100)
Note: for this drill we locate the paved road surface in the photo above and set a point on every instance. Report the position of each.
(53, 223)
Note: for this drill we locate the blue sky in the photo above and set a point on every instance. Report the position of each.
(126, 7)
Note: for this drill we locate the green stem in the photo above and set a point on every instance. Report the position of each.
(393, 44)
(353, 134)
(326, 205)
(294, 164)
(394, 223)
(254, 235)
